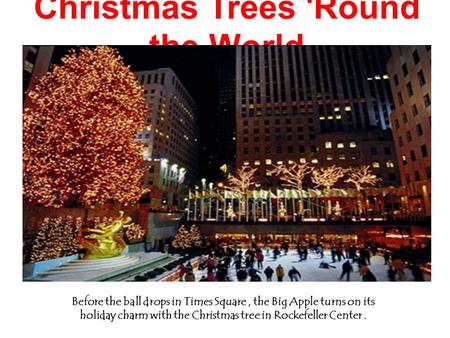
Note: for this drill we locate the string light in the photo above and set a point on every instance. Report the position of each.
(79, 132)
(327, 177)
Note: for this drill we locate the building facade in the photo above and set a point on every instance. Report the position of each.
(170, 138)
(36, 62)
(409, 69)
(326, 105)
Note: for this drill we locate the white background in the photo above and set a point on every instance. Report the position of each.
(44, 309)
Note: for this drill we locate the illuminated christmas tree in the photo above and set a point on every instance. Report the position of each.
(195, 236)
(361, 177)
(79, 132)
(181, 240)
(134, 232)
(239, 184)
(56, 238)
(327, 177)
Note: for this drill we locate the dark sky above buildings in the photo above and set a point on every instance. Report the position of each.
(196, 66)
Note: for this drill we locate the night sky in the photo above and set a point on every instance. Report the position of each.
(196, 66)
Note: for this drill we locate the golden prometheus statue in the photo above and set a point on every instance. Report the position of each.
(104, 241)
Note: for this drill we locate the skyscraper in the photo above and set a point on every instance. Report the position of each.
(319, 104)
(36, 62)
(170, 137)
(410, 72)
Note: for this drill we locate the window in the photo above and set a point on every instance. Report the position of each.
(405, 69)
(419, 129)
(328, 145)
(416, 57)
(409, 89)
(257, 162)
(424, 150)
(392, 177)
(313, 148)
(404, 161)
(301, 149)
(421, 78)
(376, 165)
(413, 155)
(329, 157)
(396, 124)
(268, 161)
(390, 164)
(427, 100)
(400, 141)
(415, 112)
(405, 118)
(408, 136)
(340, 145)
(387, 151)
(246, 162)
(400, 98)
(396, 79)
(416, 175)
(352, 144)
(314, 161)
(373, 151)
(302, 160)
(341, 156)
(408, 179)
(428, 172)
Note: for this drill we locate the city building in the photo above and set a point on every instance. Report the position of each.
(170, 138)
(326, 105)
(409, 69)
(36, 62)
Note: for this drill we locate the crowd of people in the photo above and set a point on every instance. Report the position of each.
(256, 264)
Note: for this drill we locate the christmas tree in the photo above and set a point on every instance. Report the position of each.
(56, 238)
(134, 232)
(79, 132)
(194, 236)
(181, 240)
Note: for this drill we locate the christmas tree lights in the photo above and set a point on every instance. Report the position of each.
(79, 132)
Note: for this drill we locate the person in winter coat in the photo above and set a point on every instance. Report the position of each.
(269, 273)
(181, 271)
(294, 275)
(369, 276)
(242, 275)
(347, 268)
(189, 277)
(259, 259)
(280, 273)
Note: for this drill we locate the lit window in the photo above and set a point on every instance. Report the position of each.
(328, 145)
(246, 162)
(348, 108)
(257, 162)
(268, 173)
(375, 164)
(268, 161)
(352, 144)
(340, 145)
(342, 156)
(314, 161)
(329, 158)
(279, 162)
(336, 108)
(290, 162)
(369, 79)
(338, 117)
(330, 117)
(322, 118)
(385, 77)
(302, 160)
(404, 161)
(389, 164)
(377, 77)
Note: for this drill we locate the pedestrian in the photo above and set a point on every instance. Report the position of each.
(294, 275)
(369, 276)
(333, 254)
(386, 256)
(181, 272)
(242, 275)
(399, 267)
(276, 253)
(259, 259)
(189, 276)
(417, 273)
(269, 273)
(391, 273)
(280, 273)
(347, 268)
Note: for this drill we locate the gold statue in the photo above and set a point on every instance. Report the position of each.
(104, 241)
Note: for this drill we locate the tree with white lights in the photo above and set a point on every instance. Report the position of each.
(293, 176)
(240, 183)
(327, 178)
(361, 177)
